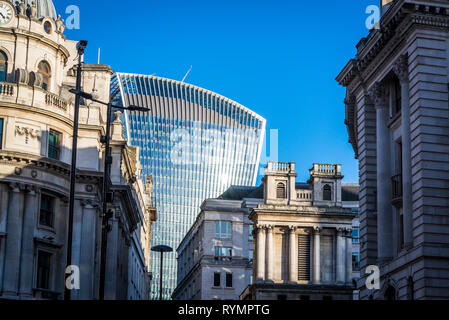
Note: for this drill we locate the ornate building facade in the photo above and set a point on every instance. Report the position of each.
(398, 123)
(36, 126)
(302, 237)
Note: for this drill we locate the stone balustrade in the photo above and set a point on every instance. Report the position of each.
(304, 195)
(55, 101)
(327, 169)
(280, 167)
(6, 89)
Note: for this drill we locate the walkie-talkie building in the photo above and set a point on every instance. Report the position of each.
(196, 144)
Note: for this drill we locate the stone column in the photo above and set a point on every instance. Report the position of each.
(269, 254)
(349, 257)
(384, 217)
(87, 252)
(260, 244)
(341, 257)
(293, 255)
(316, 256)
(29, 223)
(13, 243)
(401, 70)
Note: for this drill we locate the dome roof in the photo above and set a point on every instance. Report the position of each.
(45, 8)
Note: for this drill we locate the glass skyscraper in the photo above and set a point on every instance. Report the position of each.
(196, 144)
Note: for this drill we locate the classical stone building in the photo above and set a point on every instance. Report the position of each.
(219, 248)
(303, 237)
(37, 68)
(398, 122)
(215, 258)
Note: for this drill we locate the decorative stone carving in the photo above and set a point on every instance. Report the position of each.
(34, 174)
(18, 171)
(33, 10)
(22, 8)
(400, 68)
(28, 133)
(60, 27)
(22, 76)
(378, 94)
(36, 79)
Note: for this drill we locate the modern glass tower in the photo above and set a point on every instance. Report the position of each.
(196, 144)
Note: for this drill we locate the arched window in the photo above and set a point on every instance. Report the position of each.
(327, 193)
(281, 191)
(3, 66)
(45, 71)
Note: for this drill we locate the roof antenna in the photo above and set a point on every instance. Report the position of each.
(99, 54)
(190, 69)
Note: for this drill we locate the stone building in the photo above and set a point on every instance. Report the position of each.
(215, 259)
(398, 123)
(303, 237)
(37, 68)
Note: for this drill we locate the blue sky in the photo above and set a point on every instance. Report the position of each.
(277, 57)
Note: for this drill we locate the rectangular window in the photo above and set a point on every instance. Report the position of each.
(217, 279)
(304, 257)
(355, 261)
(355, 235)
(43, 270)
(223, 230)
(46, 211)
(1, 133)
(223, 252)
(228, 280)
(54, 145)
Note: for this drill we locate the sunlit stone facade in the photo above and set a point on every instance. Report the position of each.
(36, 126)
(398, 123)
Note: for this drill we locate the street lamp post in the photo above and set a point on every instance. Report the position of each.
(107, 197)
(162, 250)
(80, 48)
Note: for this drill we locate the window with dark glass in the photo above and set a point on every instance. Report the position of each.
(44, 70)
(3, 66)
(43, 270)
(1, 133)
(355, 261)
(327, 193)
(228, 280)
(54, 145)
(46, 211)
(281, 192)
(217, 280)
(355, 235)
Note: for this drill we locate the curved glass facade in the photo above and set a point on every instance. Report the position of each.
(195, 144)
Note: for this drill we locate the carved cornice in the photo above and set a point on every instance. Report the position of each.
(382, 44)
(400, 68)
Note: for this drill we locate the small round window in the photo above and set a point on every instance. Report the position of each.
(47, 27)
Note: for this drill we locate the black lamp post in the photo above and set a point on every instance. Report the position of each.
(162, 250)
(81, 46)
(107, 196)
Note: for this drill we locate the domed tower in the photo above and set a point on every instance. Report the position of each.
(42, 8)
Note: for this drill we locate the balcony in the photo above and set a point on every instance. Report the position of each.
(19, 93)
(397, 190)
